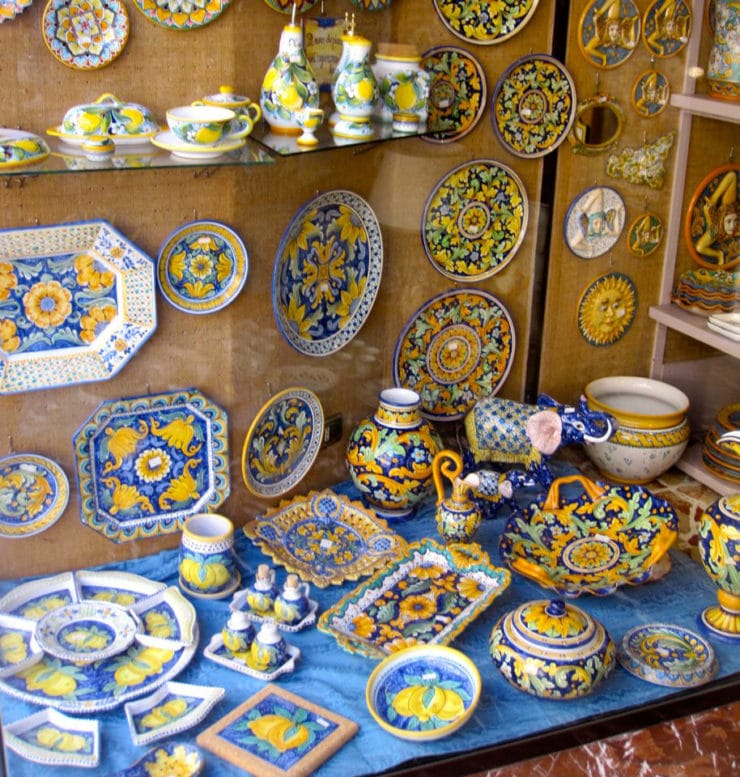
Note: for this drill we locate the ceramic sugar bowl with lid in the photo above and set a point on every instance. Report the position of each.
(551, 649)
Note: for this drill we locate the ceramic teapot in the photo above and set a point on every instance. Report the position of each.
(457, 517)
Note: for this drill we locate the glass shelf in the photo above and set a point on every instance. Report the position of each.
(66, 158)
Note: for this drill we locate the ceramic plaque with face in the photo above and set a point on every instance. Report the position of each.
(607, 309)
(594, 221)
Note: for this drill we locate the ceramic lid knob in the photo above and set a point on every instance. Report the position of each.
(238, 621)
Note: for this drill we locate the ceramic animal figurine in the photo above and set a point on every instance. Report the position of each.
(269, 650)
(509, 432)
(457, 517)
(292, 605)
(238, 635)
(262, 593)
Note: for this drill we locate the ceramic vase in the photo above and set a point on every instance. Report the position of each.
(390, 454)
(457, 516)
(289, 84)
(403, 85)
(719, 549)
(207, 563)
(355, 89)
(723, 68)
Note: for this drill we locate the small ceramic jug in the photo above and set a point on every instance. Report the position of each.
(261, 594)
(292, 605)
(269, 650)
(238, 635)
(457, 517)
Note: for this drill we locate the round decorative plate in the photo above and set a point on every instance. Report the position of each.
(85, 632)
(712, 222)
(608, 32)
(669, 655)
(9, 9)
(372, 5)
(594, 221)
(457, 347)
(286, 6)
(202, 266)
(607, 309)
(534, 105)
(34, 492)
(475, 220)
(327, 272)
(282, 443)
(85, 34)
(457, 94)
(651, 93)
(424, 692)
(666, 27)
(485, 21)
(170, 142)
(179, 15)
(645, 234)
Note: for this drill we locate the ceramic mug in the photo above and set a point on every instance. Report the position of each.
(207, 560)
(208, 125)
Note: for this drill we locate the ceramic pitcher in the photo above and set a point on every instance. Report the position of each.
(457, 516)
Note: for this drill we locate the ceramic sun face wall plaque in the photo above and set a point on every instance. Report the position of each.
(609, 31)
(607, 309)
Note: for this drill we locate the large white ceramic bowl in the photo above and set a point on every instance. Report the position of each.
(653, 429)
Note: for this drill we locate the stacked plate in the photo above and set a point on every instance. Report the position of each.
(727, 324)
(708, 291)
(721, 450)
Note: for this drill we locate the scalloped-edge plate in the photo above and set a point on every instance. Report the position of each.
(325, 538)
(34, 492)
(283, 442)
(215, 651)
(170, 758)
(173, 708)
(176, 15)
(665, 654)
(428, 596)
(485, 22)
(50, 738)
(239, 604)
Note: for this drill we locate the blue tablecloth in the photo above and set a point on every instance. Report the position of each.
(331, 677)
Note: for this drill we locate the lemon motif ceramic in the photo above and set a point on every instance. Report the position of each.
(355, 88)
(207, 562)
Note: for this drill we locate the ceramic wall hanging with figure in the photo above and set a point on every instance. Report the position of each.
(608, 32)
(666, 27)
(594, 221)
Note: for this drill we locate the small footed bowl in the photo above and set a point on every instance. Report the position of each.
(424, 692)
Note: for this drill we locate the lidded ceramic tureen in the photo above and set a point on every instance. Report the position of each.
(107, 117)
(551, 649)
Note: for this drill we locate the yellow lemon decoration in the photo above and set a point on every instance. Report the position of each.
(165, 713)
(405, 96)
(281, 732)
(12, 648)
(53, 739)
(52, 682)
(427, 702)
(203, 576)
(90, 122)
(208, 134)
(135, 670)
(290, 99)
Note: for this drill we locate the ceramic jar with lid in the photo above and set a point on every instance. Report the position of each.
(551, 649)
(226, 97)
(402, 82)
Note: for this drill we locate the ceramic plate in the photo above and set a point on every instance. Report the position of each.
(485, 21)
(170, 142)
(710, 225)
(9, 9)
(534, 106)
(170, 758)
(664, 654)
(162, 647)
(594, 221)
(179, 15)
(286, 6)
(143, 139)
(52, 739)
(173, 708)
(283, 442)
(666, 27)
(202, 266)
(608, 32)
(427, 596)
(474, 220)
(85, 34)
(327, 272)
(372, 5)
(145, 464)
(79, 302)
(19, 148)
(423, 693)
(34, 492)
(457, 347)
(458, 92)
(591, 544)
(325, 538)
(216, 652)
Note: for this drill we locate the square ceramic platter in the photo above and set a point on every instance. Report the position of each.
(173, 708)
(80, 302)
(276, 733)
(163, 645)
(426, 597)
(325, 538)
(216, 652)
(145, 464)
(50, 738)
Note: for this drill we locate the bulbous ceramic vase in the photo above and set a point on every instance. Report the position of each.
(390, 454)
(723, 68)
(355, 89)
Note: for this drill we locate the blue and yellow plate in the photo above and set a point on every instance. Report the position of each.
(169, 758)
(178, 15)
(202, 267)
(485, 21)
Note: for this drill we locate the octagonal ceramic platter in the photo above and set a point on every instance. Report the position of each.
(145, 464)
(76, 303)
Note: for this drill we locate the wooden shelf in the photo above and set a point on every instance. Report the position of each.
(691, 463)
(694, 326)
(700, 105)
